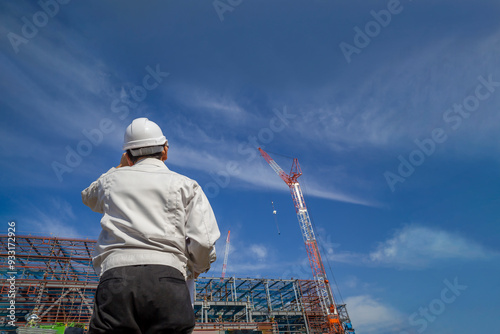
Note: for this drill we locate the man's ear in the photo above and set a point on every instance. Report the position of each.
(164, 153)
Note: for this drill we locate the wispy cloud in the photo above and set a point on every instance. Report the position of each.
(253, 174)
(416, 247)
(259, 251)
(204, 101)
(247, 259)
(413, 247)
(402, 99)
(370, 315)
(52, 94)
(74, 76)
(56, 218)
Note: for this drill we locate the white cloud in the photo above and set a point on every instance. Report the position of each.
(247, 259)
(52, 226)
(56, 219)
(371, 316)
(204, 100)
(419, 247)
(251, 174)
(259, 251)
(320, 191)
(73, 73)
(412, 247)
(244, 259)
(65, 209)
(405, 98)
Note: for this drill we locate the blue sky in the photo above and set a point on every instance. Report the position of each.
(391, 107)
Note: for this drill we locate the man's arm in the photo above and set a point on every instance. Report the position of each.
(90, 196)
(201, 232)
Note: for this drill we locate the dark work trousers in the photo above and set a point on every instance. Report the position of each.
(143, 299)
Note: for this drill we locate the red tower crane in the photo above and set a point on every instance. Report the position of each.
(336, 317)
(226, 254)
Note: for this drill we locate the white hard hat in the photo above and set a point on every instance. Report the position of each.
(143, 137)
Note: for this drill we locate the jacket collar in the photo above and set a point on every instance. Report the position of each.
(151, 161)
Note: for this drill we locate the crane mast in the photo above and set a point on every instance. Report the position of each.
(226, 254)
(337, 323)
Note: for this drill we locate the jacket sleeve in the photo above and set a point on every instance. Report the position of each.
(201, 232)
(91, 195)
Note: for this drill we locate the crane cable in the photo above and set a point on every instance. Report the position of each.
(272, 205)
(275, 219)
(282, 155)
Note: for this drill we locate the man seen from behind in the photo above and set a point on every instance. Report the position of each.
(157, 228)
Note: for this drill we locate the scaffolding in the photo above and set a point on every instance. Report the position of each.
(55, 280)
(53, 277)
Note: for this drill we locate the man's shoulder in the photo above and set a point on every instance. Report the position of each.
(181, 176)
(162, 170)
(156, 169)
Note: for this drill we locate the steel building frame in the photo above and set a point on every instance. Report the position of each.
(54, 278)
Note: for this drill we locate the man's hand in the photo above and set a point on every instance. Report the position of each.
(124, 161)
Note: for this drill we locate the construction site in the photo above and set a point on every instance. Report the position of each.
(52, 280)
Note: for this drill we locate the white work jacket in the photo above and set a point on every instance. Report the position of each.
(152, 215)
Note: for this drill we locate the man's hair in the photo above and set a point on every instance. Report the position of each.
(136, 158)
